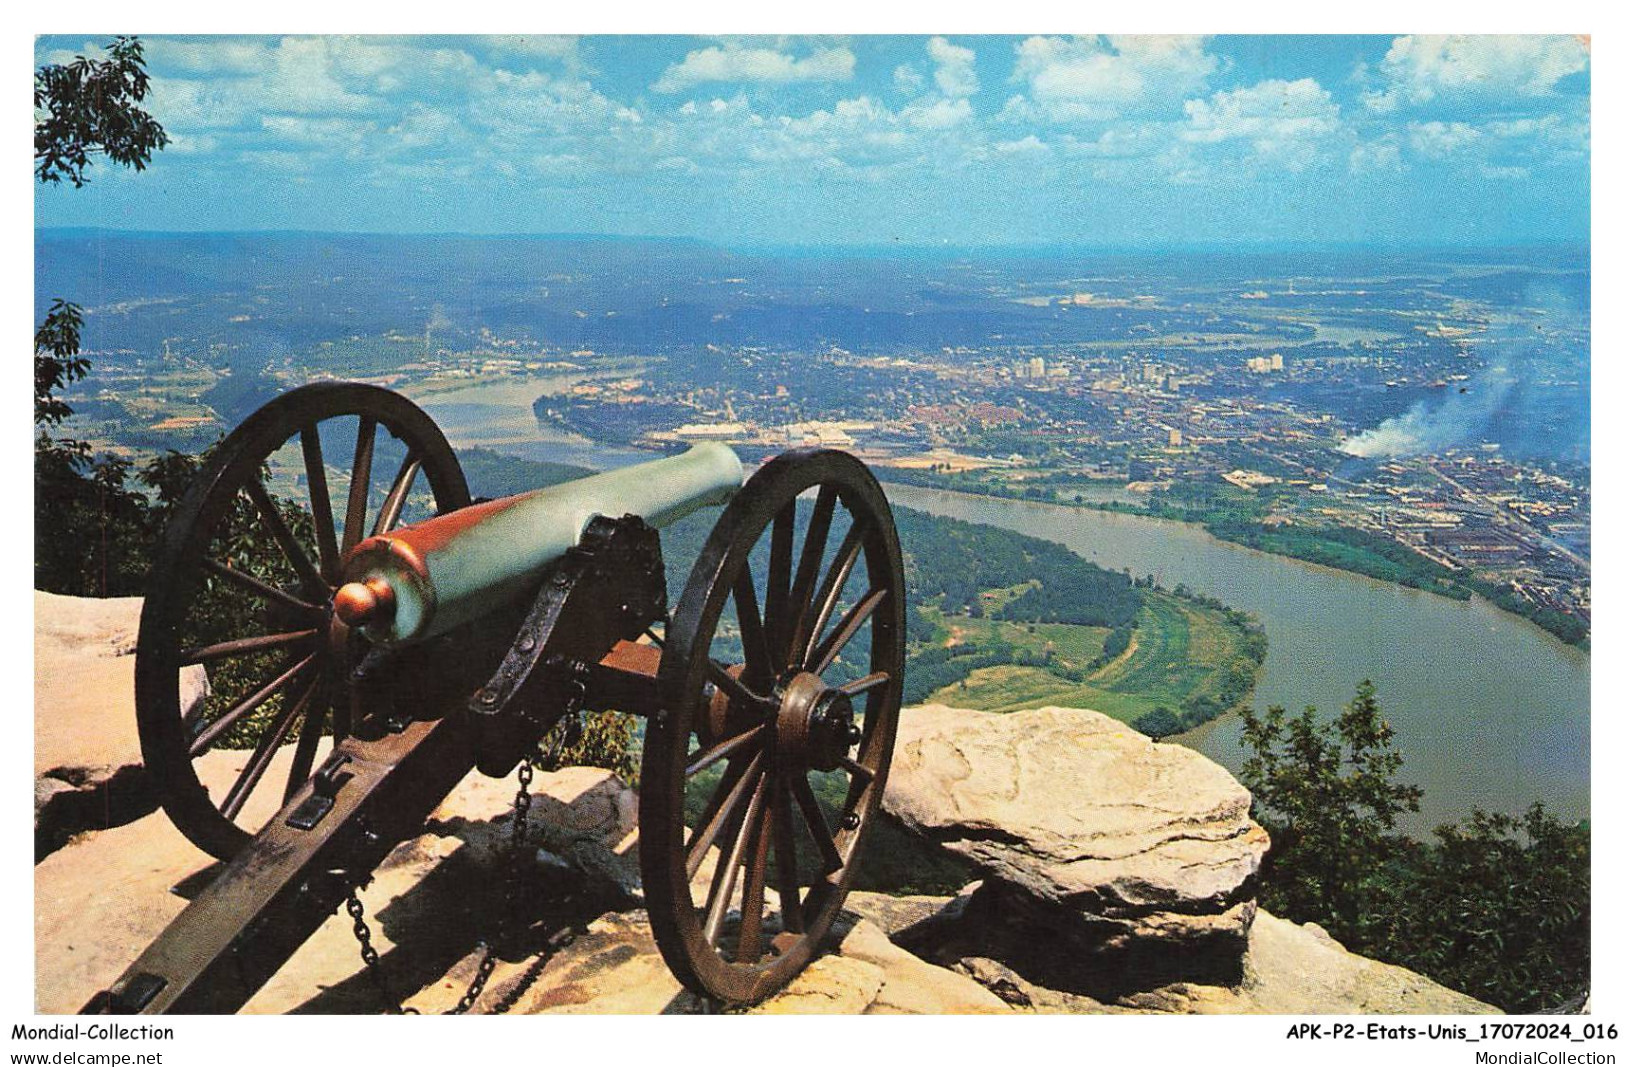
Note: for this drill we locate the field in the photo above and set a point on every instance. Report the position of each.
(1179, 651)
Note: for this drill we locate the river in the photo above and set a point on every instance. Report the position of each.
(1488, 709)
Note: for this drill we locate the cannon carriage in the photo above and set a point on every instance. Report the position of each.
(369, 649)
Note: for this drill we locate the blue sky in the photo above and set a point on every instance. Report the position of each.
(1105, 141)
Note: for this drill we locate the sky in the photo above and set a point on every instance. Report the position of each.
(1111, 141)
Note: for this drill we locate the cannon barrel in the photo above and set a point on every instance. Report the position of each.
(422, 580)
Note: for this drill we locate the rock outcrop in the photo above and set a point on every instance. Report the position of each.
(87, 755)
(1114, 862)
(1116, 877)
(433, 902)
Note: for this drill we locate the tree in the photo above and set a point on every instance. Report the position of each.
(1498, 907)
(57, 361)
(87, 107)
(99, 527)
(1327, 794)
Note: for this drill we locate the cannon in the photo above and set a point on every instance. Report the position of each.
(364, 662)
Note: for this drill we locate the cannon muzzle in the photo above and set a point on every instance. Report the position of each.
(418, 581)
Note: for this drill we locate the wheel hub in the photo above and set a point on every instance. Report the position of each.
(816, 723)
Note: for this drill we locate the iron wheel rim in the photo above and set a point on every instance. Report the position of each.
(177, 583)
(695, 943)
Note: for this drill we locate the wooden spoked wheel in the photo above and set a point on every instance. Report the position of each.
(765, 767)
(243, 586)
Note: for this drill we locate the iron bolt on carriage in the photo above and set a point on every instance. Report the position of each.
(392, 658)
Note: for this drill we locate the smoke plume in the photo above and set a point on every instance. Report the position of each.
(1428, 428)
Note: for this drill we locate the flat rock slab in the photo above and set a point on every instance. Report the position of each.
(1076, 809)
(104, 897)
(1300, 970)
(87, 753)
(615, 967)
(84, 683)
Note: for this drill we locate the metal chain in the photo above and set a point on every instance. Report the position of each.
(564, 737)
(369, 956)
(516, 844)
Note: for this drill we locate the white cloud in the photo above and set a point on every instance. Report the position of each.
(1437, 140)
(326, 131)
(938, 115)
(422, 127)
(563, 49)
(1420, 69)
(1378, 154)
(1025, 146)
(541, 102)
(732, 63)
(208, 57)
(1096, 79)
(910, 81)
(956, 67)
(1282, 120)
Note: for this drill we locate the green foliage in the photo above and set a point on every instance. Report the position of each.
(1567, 628)
(1327, 795)
(1158, 722)
(607, 739)
(57, 361)
(89, 106)
(1498, 908)
(1117, 643)
(92, 529)
(931, 669)
(1348, 549)
(95, 531)
(495, 474)
(956, 561)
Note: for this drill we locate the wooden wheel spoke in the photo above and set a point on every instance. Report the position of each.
(310, 736)
(355, 514)
(758, 656)
(829, 594)
(719, 676)
(253, 584)
(321, 503)
(750, 907)
(243, 645)
(784, 853)
(723, 807)
(864, 684)
(812, 560)
(813, 815)
(277, 553)
(390, 513)
(264, 752)
(780, 551)
(725, 749)
(825, 654)
(722, 884)
(857, 770)
(291, 549)
(779, 835)
(212, 732)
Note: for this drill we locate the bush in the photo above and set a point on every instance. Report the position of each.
(1498, 908)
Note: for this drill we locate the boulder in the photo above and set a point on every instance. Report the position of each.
(1108, 859)
(1300, 970)
(87, 753)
